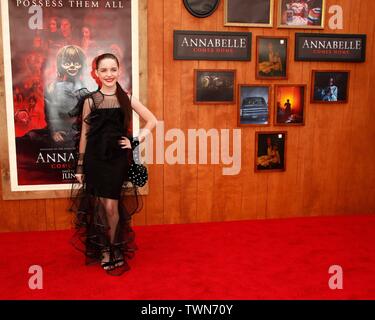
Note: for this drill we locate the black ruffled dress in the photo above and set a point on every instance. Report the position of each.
(105, 167)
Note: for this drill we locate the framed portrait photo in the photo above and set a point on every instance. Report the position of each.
(250, 13)
(304, 14)
(253, 105)
(271, 57)
(212, 86)
(329, 86)
(290, 104)
(201, 8)
(270, 151)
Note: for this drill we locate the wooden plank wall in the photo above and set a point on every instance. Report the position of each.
(330, 160)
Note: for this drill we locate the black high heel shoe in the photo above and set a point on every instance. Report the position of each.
(118, 257)
(118, 262)
(107, 265)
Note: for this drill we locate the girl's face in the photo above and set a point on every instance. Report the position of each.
(108, 72)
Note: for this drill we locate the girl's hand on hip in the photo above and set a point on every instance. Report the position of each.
(124, 142)
(79, 177)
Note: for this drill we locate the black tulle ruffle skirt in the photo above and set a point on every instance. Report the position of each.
(91, 225)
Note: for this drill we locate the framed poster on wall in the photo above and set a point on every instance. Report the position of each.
(271, 57)
(290, 104)
(254, 13)
(48, 53)
(301, 14)
(253, 105)
(270, 151)
(329, 86)
(214, 86)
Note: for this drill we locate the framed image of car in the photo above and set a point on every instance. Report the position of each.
(270, 151)
(253, 105)
(290, 105)
(214, 86)
(329, 86)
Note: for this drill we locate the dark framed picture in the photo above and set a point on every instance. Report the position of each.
(214, 86)
(201, 8)
(329, 86)
(271, 57)
(253, 105)
(290, 104)
(304, 14)
(270, 151)
(330, 47)
(254, 13)
(211, 45)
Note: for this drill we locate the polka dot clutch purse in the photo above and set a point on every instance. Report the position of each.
(137, 172)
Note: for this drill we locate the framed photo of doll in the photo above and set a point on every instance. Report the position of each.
(302, 14)
(48, 55)
(290, 105)
(329, 86)
(271, 57)
(270, 151)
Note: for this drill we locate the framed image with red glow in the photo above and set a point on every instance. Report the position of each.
(270, 151)
(48, 56)
(290, 105)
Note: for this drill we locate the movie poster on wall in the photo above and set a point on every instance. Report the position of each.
(48, 54)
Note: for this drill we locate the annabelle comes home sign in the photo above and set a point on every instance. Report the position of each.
(207, 45)
(330, 47)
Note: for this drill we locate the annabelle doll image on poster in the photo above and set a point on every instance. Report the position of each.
(51, 48)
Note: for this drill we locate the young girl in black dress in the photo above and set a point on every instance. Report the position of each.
(102, 206)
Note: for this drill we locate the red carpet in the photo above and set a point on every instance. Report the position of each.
(267, 259)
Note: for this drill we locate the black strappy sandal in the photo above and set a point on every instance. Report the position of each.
(118, 257)
(107, 265)
(119, 264)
